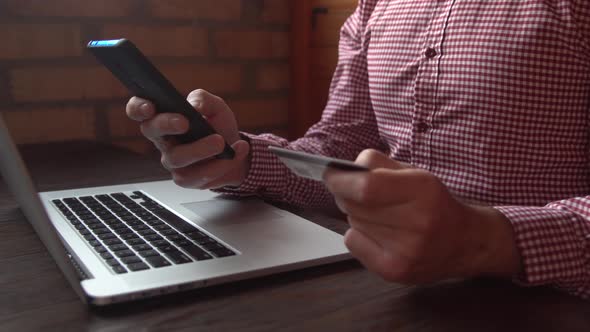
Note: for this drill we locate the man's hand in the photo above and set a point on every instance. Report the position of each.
(407, 227)
(192, 165)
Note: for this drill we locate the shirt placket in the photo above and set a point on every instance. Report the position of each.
(426, 85)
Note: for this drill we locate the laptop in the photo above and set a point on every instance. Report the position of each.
(133, 241)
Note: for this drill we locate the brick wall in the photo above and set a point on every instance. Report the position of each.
(51, 89)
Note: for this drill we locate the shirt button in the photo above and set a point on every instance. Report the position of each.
(430, 53)
(422, 127)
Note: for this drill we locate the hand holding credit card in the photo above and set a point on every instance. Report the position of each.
(312, 166)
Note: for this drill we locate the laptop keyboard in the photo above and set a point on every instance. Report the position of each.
(132, 232)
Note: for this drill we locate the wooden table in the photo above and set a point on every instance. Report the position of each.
(338, 297)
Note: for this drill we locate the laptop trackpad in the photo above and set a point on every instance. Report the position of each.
(224, 212)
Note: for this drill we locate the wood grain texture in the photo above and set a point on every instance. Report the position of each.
(338, 297)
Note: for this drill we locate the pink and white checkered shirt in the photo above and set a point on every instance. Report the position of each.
(493, 97)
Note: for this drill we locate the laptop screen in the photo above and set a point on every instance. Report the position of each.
(16, 176)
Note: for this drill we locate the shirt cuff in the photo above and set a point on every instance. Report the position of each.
(551, 245)
(266, 171)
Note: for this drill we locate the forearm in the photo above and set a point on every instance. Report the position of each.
(268, 178)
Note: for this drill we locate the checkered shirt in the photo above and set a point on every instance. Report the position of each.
(493, 97)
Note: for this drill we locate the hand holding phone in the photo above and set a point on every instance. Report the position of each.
(142, 79)
(312, 166)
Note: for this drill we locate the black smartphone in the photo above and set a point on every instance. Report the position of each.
(144, 80)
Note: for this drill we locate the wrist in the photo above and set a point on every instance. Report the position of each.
(494, 251)
(243, 169)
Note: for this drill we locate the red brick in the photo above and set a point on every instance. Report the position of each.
(336, 5)
(69, 8)
(217, 79)
(327, 30)
(318, 96)
(25, 41)
(120, 125)
(256, 44)
(161, 40)
(260, 112)
(280, 132)
(76, 83)
(220, 10)
(323, 61)
(273, 77)
(276, 11)
(64, 83)
(51, 125)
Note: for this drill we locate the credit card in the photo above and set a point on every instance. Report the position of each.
(313, 166)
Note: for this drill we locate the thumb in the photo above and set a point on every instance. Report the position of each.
(374, 159)
(206, 103)
(242, 148)
(216, 112)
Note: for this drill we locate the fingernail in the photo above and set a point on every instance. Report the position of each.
(176, 124)
(144, 109)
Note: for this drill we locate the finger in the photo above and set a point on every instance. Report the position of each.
(378, 186)
(365, 249)
(185, 154)
(164, 144)
(140, 109)
(386, 230)
(388, 261)
(363, 211)
(242, 149)
(210, 173)
(391, 214)
(209, 105)
(163, 125)
(398, 217)
(373, 159)
(393, 260)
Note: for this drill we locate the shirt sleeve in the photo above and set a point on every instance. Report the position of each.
(347, 127)
(554, 240)
(554, 244)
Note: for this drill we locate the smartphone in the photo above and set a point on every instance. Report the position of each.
(144, 80)
(313, 166)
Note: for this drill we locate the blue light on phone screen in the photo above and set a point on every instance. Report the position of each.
(111, 42)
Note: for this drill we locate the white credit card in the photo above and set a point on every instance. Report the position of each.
(313, 166)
